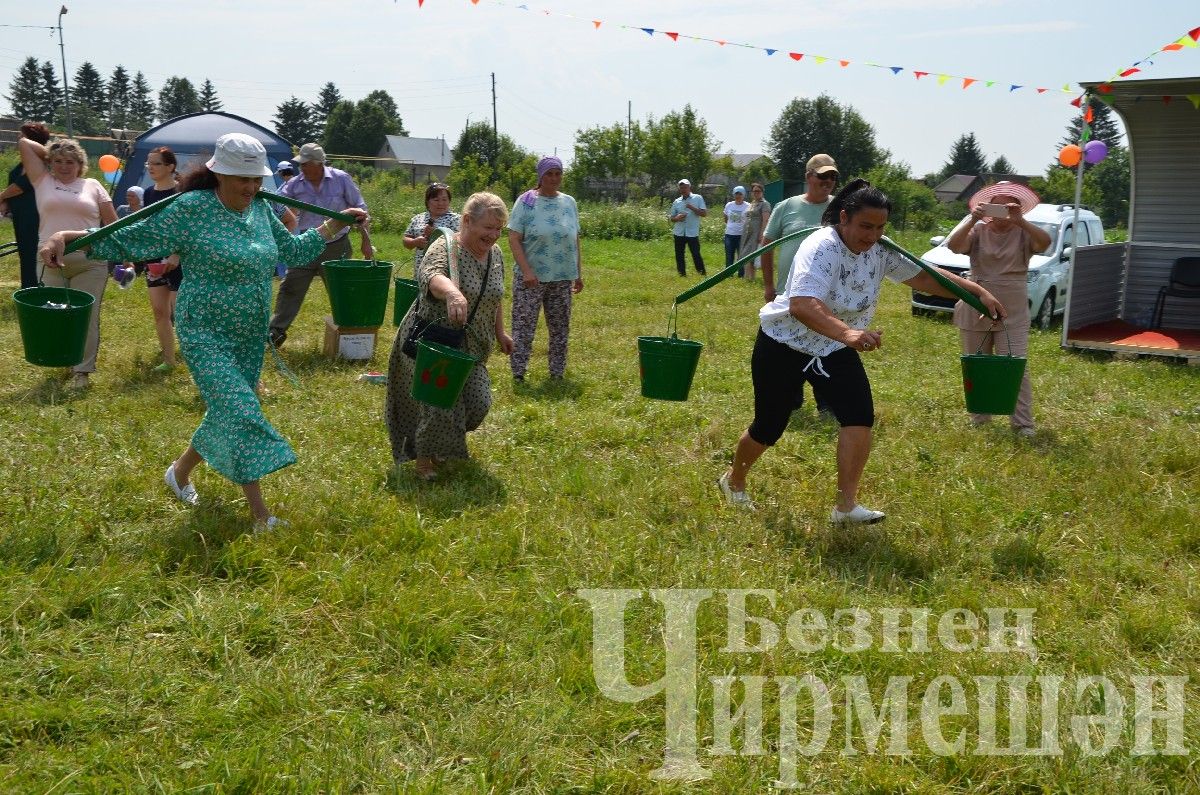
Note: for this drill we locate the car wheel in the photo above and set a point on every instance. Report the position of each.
(1045, 314)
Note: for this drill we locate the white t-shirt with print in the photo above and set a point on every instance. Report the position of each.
(847, 283)
(735, 215)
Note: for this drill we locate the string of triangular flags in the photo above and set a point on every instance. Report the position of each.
(1187, 40)
(941, 78)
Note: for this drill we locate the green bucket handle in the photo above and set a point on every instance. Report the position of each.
(992, 331)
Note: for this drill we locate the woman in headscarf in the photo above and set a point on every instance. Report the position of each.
(544, 238)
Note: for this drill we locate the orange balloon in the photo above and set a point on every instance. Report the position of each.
(1070, 155)
(108, 163)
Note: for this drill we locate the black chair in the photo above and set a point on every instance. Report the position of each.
(1183, 283)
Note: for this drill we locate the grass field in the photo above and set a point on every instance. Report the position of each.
(428, 637)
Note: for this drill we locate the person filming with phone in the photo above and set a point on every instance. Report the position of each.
(1000, 242)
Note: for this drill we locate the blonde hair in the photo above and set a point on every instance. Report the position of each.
(68, 147)
(481, 204)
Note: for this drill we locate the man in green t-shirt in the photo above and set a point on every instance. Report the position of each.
(791, 215)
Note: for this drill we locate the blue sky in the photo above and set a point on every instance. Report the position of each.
(555, 74)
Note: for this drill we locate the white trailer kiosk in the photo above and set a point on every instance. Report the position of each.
(1114, 288)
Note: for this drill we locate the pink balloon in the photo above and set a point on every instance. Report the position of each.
(1094, 152)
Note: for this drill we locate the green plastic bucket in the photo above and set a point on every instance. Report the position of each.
(402, 298)
(358, 291)
(439, 374)
(54, 324)
(991, 382)
(667, 365)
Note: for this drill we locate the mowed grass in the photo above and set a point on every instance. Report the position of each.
(427, 637)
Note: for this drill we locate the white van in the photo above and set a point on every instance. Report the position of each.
(1048, 271)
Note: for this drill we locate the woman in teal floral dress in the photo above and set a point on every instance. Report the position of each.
(228, 244)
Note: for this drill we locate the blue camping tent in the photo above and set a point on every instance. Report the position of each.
(191, 138)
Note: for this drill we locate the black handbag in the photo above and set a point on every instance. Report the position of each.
(433, 331)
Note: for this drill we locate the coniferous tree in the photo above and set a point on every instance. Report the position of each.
(118, 98)
(294, 121)
(327, 100)
(52, 92)
(1104, 127)
(89, 101)
(966, 157)
(177, 97)
(141, 104)
(208, 97)
(26, 92)
(89, 90)
(1001, 166)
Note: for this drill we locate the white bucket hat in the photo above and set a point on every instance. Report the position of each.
(239, 155)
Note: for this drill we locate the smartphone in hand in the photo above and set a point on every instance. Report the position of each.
(994, 210)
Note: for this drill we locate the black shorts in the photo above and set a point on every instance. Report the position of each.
(779, 373)
(171, 279)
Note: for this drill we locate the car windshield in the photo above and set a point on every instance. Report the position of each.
(1049, 228)
(1052, 230)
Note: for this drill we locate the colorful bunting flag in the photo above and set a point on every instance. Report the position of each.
(1195, 100)
(1189, 40)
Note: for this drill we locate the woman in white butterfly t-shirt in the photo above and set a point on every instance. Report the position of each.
(815, 331)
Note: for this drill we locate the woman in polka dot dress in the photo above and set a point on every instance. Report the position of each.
(228, 245)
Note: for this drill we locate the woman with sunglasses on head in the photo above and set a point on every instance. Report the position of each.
(815, 331)
(437, 214)
(164, 276)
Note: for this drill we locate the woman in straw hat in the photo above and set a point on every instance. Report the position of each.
(229, 244)
(1000, 242)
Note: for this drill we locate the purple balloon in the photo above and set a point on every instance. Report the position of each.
(1094, 152)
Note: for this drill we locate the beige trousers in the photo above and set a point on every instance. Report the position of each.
(90, 276)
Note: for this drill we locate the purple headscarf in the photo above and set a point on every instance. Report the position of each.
(529, 197)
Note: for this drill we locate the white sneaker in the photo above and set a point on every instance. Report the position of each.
(186, 493)
(272, 523)
(856, 515)
(1026, 432)
(738, 498)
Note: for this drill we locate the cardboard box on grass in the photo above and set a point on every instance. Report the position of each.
(347, 342)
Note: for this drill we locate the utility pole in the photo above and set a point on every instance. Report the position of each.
(628, 143)
(495, 132)
(66, 88)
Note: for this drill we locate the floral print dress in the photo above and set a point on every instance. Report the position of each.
(221, 316)
(418, 430)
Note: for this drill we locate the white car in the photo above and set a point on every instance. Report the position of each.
(1048, 270)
